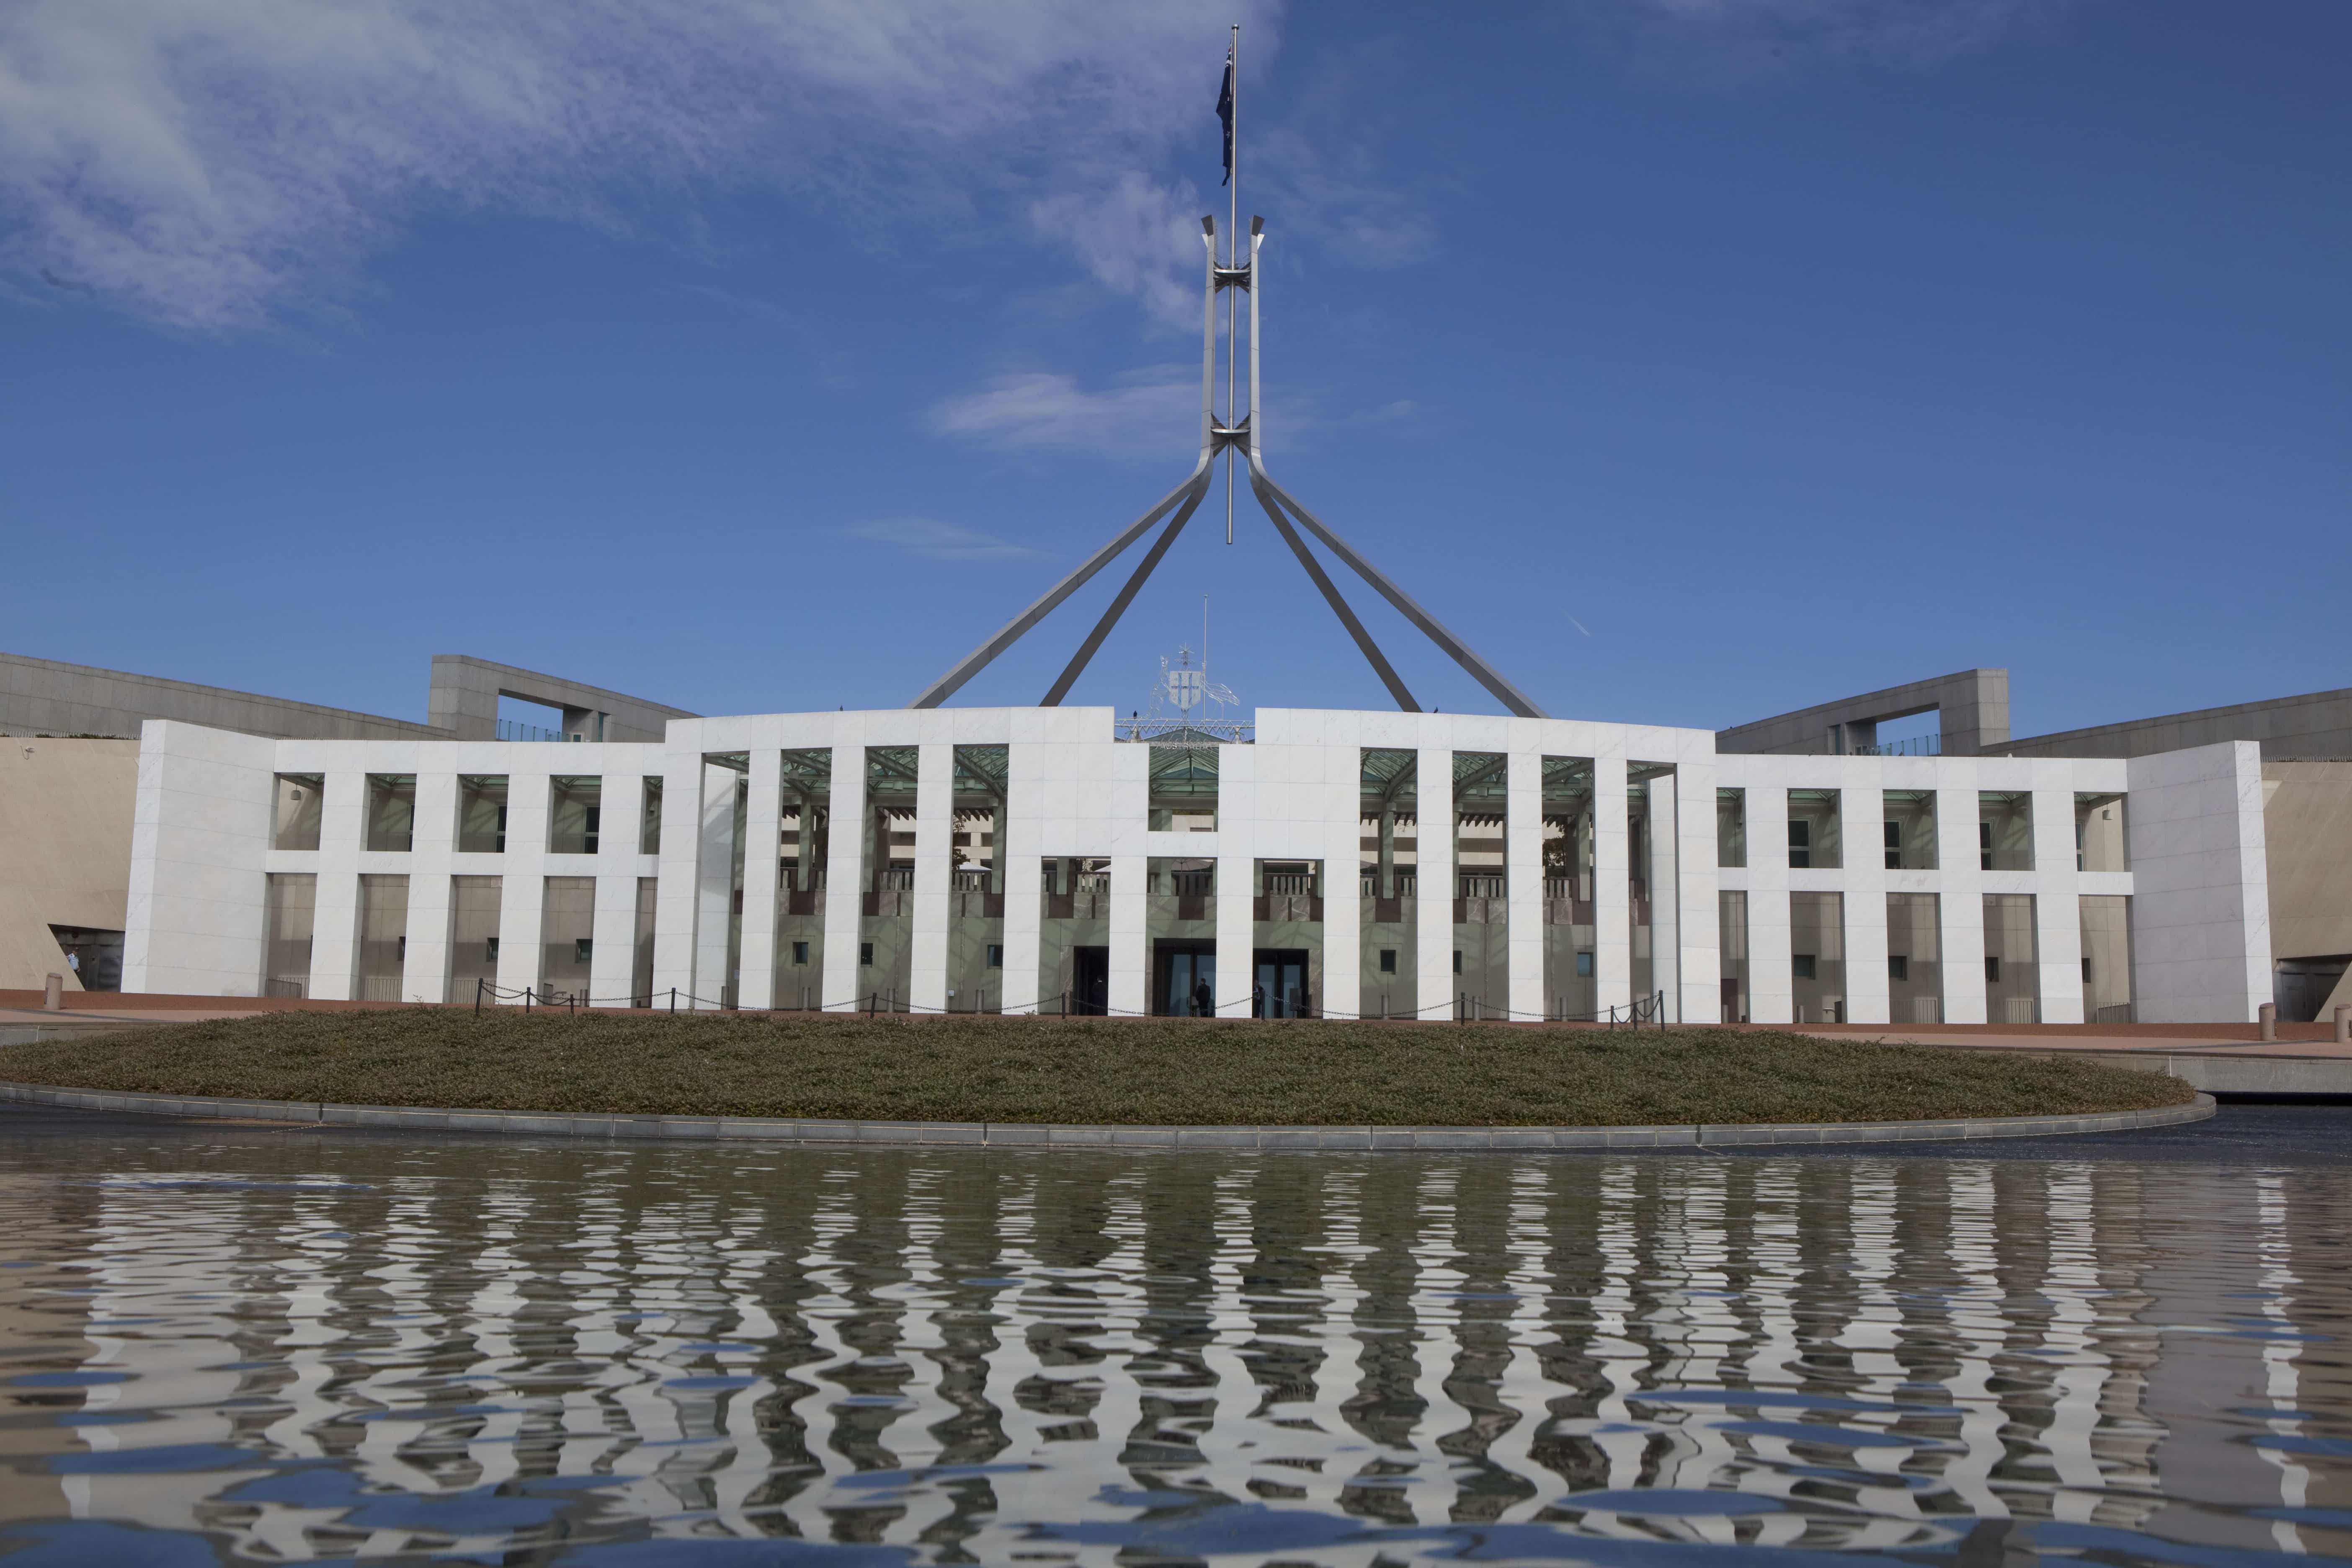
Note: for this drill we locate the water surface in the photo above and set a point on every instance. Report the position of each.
(245, 1344)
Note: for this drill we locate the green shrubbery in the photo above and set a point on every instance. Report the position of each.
(1146, 1071)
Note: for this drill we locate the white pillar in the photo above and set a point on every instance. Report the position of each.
(763, 819)
(425, 971)
(1020, 852)
(676, 896)
(1612, 898)
(927, 964)
(1435, 882)
(1523, 872)
(714, 882)
(1698, 919)
(1959, 905)
(2057, 907)
(845, 889)
(611, 965)
(334, 930)
(1771, 989)
(1861, 804)
(1131, 958)
(1663, 873)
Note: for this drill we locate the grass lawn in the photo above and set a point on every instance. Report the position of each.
(1148, 1072)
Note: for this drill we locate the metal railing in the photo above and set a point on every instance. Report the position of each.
(1916, 746)
(516, 730)
(1237, 731)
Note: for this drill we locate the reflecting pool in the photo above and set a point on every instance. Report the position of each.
(242, 1343)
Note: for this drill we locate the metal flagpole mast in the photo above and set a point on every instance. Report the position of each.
(1232, 259)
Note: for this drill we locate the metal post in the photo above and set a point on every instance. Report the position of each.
(478, 997)
(673, 998)
(526, 998)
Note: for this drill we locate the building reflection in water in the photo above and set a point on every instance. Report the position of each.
(376, 1348)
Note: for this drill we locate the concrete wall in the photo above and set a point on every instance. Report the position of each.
(2200, 913)
(39, 695)
(199, 843)
(1972, 708)
(464, 703)
(65, 847)
(2315, 725)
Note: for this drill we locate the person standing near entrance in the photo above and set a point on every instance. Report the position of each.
(1204, 1000)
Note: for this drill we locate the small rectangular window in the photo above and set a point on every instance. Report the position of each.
(866, 953)
(1457, 960)
(1800, 841)
(995, 955)
(1992, 969)
(582, 947)
(800, 952)
(1894, 846)
(490, 949)
(1800, 965)
(1898, 966)
(1388, 961)
(2086, 971)
(1584, 966)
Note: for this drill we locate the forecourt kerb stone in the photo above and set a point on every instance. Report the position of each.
(1058, 1135)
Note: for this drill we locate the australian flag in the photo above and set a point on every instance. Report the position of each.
(1225, 113)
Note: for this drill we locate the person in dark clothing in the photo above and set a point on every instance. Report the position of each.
(1204, 1001)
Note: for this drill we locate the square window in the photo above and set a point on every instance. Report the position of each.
(1388, 961)
(995, 955)
(866, 952)
(1898, 966)
(800, 952)
(582, 947)
(1584, 966)
(1992, 969)
(1800, 965)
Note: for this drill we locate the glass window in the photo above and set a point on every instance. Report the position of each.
(641, 964)
(1915, 970)
(1183, 789)
(1817, 962)
(567, 927)
(1910, 830)
(1813, 838)
(574, 814)
(1731, 924)
(289, 917)
(2005, 830)
(294, 821)
(474, 904)
(2107, 959)
(1731, 827)
(1567, 902)
(1388, 981)
(384, 937)
(2012, 978)
(482, 814)
(649, 817)
(391, 812)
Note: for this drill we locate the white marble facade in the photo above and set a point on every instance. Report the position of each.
(202, 852)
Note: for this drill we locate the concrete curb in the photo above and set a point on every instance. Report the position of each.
(1057, 1135)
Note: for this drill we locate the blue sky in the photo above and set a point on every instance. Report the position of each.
(1695, 359)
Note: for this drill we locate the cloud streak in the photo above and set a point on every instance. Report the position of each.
(938, 540)
(217, 166)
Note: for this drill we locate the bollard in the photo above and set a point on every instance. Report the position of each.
(53, 994)
(2344, 1025)
(2267, 1014)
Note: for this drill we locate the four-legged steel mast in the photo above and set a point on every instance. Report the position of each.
(1242, 436)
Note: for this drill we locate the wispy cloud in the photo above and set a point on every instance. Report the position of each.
(1152, 412)
(941, 540)
(216, 164)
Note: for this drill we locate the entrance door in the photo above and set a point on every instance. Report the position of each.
(1730, 990)
(1281, 988)
(1090, 980)
(1184, 980)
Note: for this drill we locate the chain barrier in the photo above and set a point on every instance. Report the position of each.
(1464, 1008)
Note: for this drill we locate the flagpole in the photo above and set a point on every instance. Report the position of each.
(1233, 258)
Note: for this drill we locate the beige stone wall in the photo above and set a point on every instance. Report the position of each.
(65, 847)
(2307, 823)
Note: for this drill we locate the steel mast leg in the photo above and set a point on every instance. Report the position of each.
(1364, 643)
(1078, 665)
(1459, 651)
